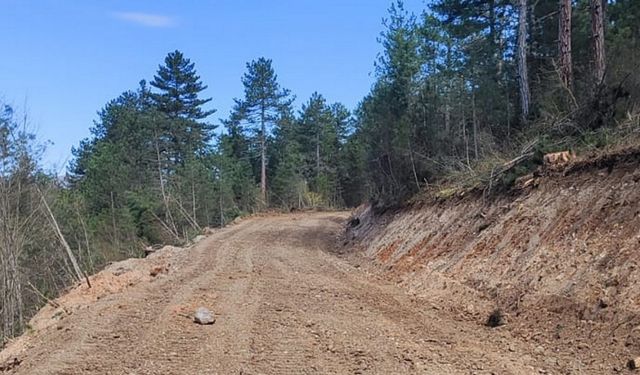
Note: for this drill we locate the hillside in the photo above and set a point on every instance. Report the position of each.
(558, 258)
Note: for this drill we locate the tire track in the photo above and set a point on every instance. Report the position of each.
(284, 305)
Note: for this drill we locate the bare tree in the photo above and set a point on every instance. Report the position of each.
(28, 229)
(63, 241)
(18, 213)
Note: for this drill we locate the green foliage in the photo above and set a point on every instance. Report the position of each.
(179, 87)
(263, 108)
(446, 96)
(319, 139)
(147, 171)
(178, 100)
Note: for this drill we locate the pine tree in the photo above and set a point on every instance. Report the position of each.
(289, 186)
(315, 119)
(262, 106)
(523, 69)
(323, 127)
(179, 87)
(386, 123)
(341, 122)
(597, 33)
(234, 159)
(565, 64)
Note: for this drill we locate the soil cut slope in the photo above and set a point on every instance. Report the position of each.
(560, 259)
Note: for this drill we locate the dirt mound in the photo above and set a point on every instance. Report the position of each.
(114, 279)
(559, 258)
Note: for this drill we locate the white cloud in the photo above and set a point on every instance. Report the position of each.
(146, 19)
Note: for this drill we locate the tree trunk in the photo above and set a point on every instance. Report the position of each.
(165, 199)
(564, 44)
(263, 157)
(496, 61)
(475, 125)
(523, 70)
(597, 32)
(63, 241)
(194, 213)
(113, 222)
(221, 210)
(318, 153)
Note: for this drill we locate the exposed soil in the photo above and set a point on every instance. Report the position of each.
(285, 302)
(559, 259)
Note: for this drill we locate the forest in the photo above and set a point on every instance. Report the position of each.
(461, 90)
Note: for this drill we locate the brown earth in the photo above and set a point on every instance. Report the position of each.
(285, 302)
(560, 258)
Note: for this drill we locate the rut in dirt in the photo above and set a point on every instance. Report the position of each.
(284, 302)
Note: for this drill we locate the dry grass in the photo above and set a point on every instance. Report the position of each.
(489, 173)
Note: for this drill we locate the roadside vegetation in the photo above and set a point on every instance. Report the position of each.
(469, 93)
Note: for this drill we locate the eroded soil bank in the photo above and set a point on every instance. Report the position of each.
(559, 258)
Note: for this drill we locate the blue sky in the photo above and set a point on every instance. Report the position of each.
(66, 59)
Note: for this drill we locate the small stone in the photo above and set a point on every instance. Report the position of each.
(604, 303)
(203, 316)
(634, 364)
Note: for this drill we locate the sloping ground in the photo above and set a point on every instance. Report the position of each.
(559, 258)
(285, 302)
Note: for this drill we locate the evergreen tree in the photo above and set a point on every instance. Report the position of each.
(236, 173)
(385, 120)
(263, 105)
(320, 130)
(352, 171)
(179, 87)
(289, 186)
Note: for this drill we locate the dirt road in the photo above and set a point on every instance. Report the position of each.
(285, 303)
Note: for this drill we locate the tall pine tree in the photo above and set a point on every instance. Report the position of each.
(178, 97)
(263, 105)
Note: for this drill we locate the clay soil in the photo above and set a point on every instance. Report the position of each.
(559, 258)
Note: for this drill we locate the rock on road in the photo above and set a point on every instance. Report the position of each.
(284, 303)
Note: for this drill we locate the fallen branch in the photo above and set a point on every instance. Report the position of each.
(64, 243)
(51, 302)
(166, 227)
(186, 215)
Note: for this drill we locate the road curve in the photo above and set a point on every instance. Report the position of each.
(284, 304)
